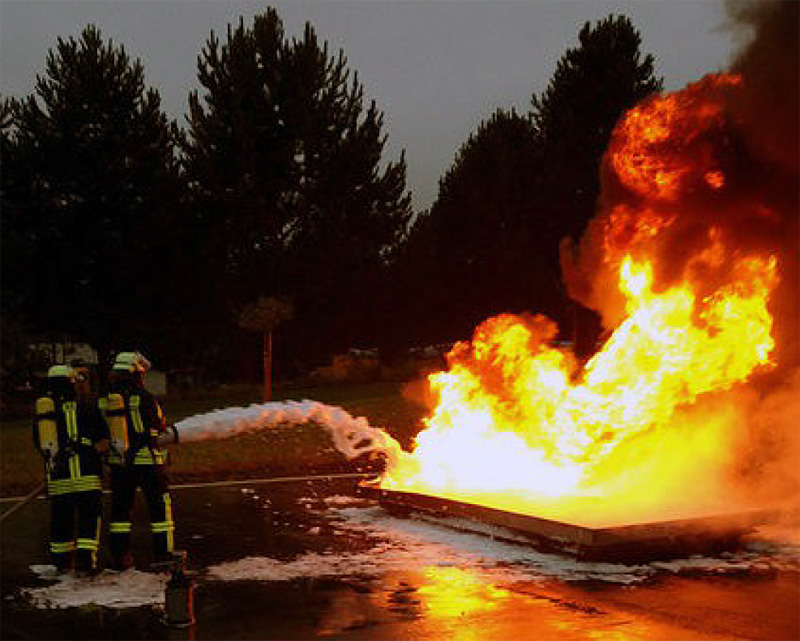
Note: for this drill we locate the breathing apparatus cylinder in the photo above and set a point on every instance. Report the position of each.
(48, 430)
(117, 423)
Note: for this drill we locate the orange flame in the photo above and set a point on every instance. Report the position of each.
(520, 425)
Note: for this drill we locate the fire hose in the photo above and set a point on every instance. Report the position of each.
(20, 504)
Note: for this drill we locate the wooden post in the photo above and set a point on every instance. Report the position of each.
(267, 366)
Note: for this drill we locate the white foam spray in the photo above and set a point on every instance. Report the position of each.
(351, 436)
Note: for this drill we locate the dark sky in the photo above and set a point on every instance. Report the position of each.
(436, 68)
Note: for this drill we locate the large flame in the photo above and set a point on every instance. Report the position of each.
(651, 418)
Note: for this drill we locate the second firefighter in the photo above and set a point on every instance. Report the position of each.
(136, 459)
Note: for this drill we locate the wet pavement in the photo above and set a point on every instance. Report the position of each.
(305, 560)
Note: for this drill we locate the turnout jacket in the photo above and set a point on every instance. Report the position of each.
(145, 423)
(76, 465)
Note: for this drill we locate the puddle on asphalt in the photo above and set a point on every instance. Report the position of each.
(438, 602)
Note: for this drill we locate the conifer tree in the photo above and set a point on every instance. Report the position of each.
(593, 85)
(95, 221)
(286, 164)
(469, 256)
(351, 214)
(490, 242)
(238, 157)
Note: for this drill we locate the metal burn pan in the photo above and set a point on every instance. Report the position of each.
(635, 543)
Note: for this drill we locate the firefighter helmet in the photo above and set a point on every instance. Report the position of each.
(131, 362)
(62, 371)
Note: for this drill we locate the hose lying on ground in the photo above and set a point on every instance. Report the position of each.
(22, 503)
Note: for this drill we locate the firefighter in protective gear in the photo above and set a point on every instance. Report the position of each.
(136, 424)
(71, 436)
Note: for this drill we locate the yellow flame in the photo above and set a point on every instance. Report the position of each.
(517, 427)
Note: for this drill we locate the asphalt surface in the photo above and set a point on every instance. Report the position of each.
(423, 599)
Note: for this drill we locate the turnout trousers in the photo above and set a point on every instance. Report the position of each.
(152, 480)
(75, 523)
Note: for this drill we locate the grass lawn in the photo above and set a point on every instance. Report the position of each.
(291, 449)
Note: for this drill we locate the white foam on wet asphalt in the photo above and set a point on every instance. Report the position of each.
(397, 544)
(128, 589)
(409, 544)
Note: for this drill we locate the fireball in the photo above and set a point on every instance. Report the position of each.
(647, 427)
